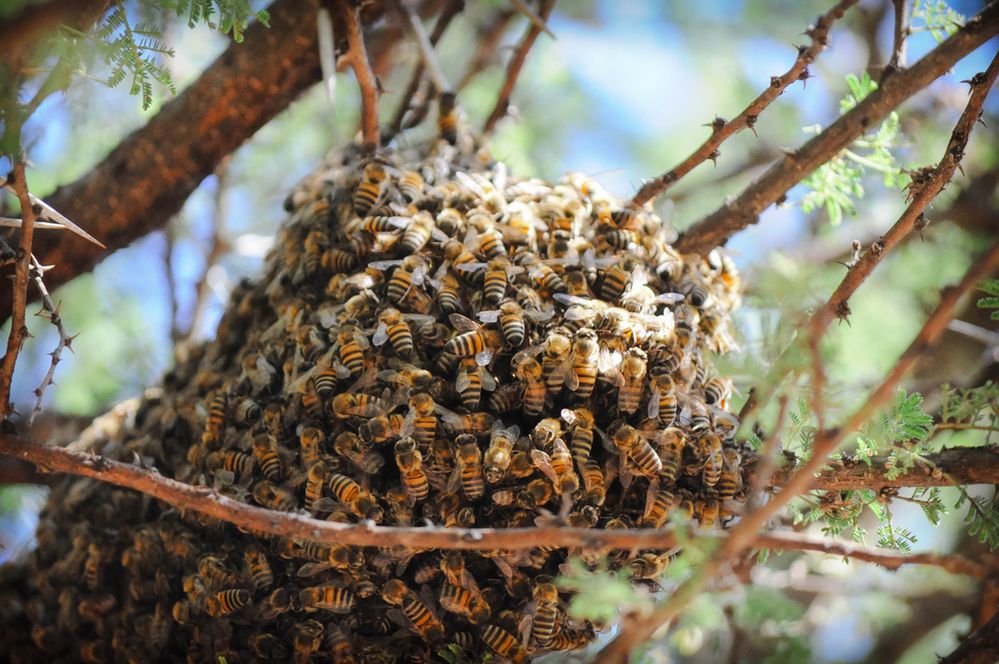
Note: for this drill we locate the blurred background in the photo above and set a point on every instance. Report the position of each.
(622, 94)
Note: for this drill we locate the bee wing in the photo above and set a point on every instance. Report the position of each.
(312, 569)
(225, 477)
(488, 381)
(408, 424)
(420, 319)
(650, 497)
(525, 354)
(470, 267)
(400, 222)
(616, 377)
(540, 316)
(381, 335)
(438, 234)
(463, 323)
(543, 463)
(490, 316)
(526, 625)
(668, 298)
(485, 357)
(463, 380)
(572, 378)
(454, 480)
(384, 265)
(419, 275)
(569, 300)
(342, 372)
(568, 415)
(653, 407)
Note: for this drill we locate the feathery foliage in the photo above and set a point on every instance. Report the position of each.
(982, 518)
(991, 287)
(937, 17)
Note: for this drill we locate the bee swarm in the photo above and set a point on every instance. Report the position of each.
(433, 343)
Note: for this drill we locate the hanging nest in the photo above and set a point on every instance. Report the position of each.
(433, 342)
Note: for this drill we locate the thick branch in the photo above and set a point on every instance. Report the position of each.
(18, 330)
(514, 67)
(147, 178)
(722, 129)
(980, 647)
(22, 31)
(772, 186)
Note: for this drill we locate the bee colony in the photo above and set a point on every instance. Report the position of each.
(433, 343)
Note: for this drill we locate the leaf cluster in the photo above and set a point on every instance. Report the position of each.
(936, 17)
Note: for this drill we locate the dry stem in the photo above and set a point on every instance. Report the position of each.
(358, 58)
(514, 67)
(773, 185)
(722, 129)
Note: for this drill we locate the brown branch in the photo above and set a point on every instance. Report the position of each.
(452, 9)
(147, 178)
(900, 33)
(922, 190)
(487, 40)
(722, 129)
(745, 209)
(49, 311)
(358, 58)
(636, 629)
(887, 558)
(979, 647)
(18, 330)
(22, 31)
(514, 67)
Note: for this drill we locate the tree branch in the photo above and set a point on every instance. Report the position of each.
(147, 178)
(773, 185)
(979, 647)
(722, 129)
(514, 67)
(358, 58)
(900, 33)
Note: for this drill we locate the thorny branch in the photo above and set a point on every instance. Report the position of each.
(358, 58)
(452, 9)
(722, 129)
(18, 330)
(636, 629)
(745, 209)
(51, 312)
(513, 69)
(925, 185)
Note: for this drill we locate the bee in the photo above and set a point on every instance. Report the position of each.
(576, 283)
(468, 470)
(230, 465)
(463, 261)
(419, 615)
(307, 639)
(247, 411)
(347, 405)
(271, 496)
(343, 488)
(545, 622)
(496, 462)
(594, 482)
(227, 601)
(215, 420)
(616, 278)
(544, 277)
(470, 381)
(637, 449)
(663, 403)
(316, 478)
(258, 568)
(93, 566)
(337, 261)
(582, 423)
(557, 349)
(557, 467)
(670, 448)
(310, 441)
(531, 374)
(411, 186)
(716, 391)
(473, 340)
(546, 432)
(658, 502)
(447, 117)
(420, 422)
(504, 644)
(449, 294)
(268, 647)
(512, 319)
(509, 396)
(464, 602)
(631, 380)
(327, 597)
(707, 511)
(266, 454)
(710, 448)
(316, 243)
(650, 565)
(477, 424)
(370, 188)
(499, 271)
(351, 344)
(411, 472)
(729, 482)
(383, 429)
(278, 602)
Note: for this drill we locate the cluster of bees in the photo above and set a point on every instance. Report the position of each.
(434, 343)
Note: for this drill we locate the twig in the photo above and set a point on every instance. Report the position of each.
(425, 46)
(18, 330)
(532, 16)
(923, 189)
(487, 40)
(639, 628)
(452, 9)
(514, 67)
(767, 463)
(358, 58)
(327, 54)
(65, 340)
(887, 558)
(773, 185)
(722, 129)
(900, 32)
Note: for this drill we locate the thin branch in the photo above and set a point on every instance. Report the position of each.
(532, 16)
(514, 67)
(18, 330)
(452, 9)
(722, 129)
(358, 58)
(922, 190)
(900, 33)
(887, 558)
(487, 41)
(763, 472)
(637, 629)
(773, 185)
(425, 46)
(49, 310)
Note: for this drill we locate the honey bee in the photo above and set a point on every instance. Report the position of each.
(582, 424)
(707, 511)
(370, 189)
(464, 261)
(470, 381)
(631, 380)
(658, 502)
(477, 424)
(504, 644)
(327, 597)
(594, 482)
(343, 488)
(496, 462)
(307, 639)
(348, 404)
(717, 390)
(226, 601)
(258, 568)
(316, 243)
(351, 344)
(411, 186)
(266, 454)
(557, 467)
(531, 374)
(557, 348)
(545, 618)
(670, 447)
(230, 465)
(411, 472)
(275, 604)
(447, 117)
(650, 566)
(383, 429)
(215, 420)
(316, 478)
(546, 432)
(268, 647)
(637, 450)
(544, 277)
(730, 480)
(512, 320)
(416, 611)
(663, 403)
(617, 278)
(710, 448)
(464, 602)
(468, 470)
(473, 340)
